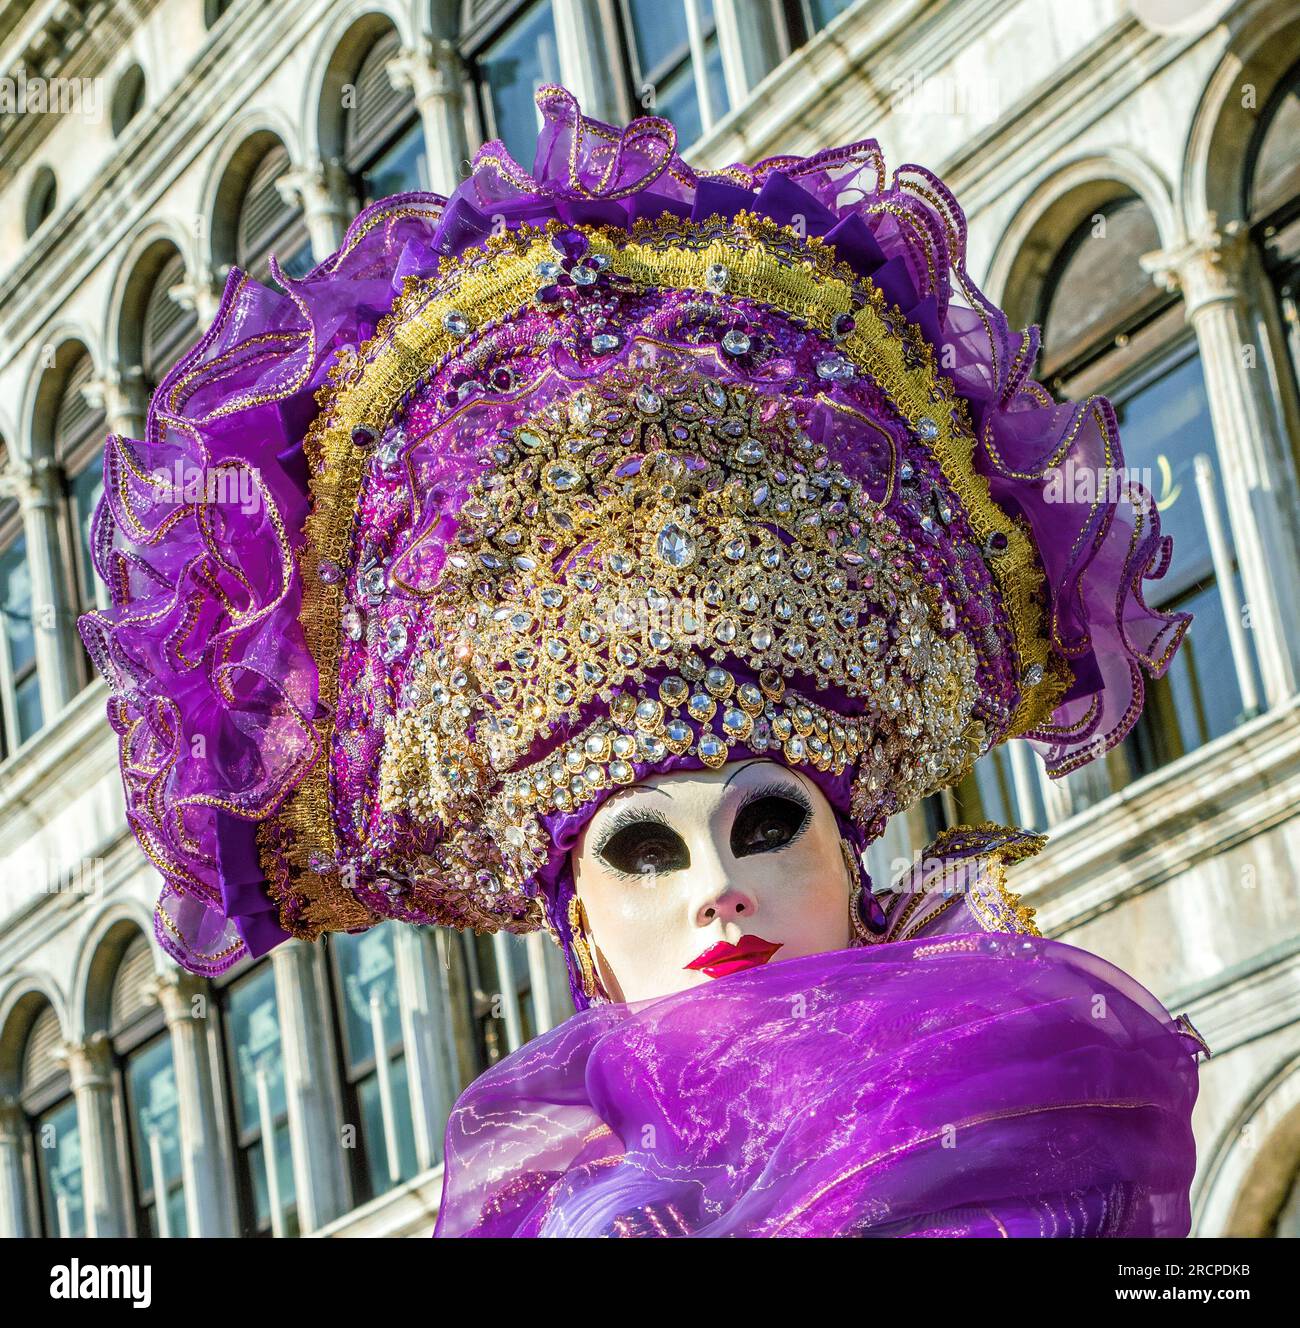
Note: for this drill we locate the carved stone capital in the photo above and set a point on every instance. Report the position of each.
(89, 1063)
(430, 72)
(176, 991)
(1207, 267)
(319, 188)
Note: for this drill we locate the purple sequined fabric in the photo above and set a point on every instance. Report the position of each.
(212, 688)
(969, 1085)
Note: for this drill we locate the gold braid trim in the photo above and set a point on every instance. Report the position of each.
(769, 263)
(1001, 847)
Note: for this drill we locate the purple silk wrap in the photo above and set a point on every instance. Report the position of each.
(977, 1084)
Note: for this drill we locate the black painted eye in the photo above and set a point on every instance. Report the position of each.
(768, 823)
(641, 847)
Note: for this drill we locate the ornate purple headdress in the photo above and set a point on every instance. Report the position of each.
(608, 469)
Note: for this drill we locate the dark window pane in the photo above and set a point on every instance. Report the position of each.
(401, 169)
(58, 1152)
(664, 67)
(27, 701)
(372, 1117)
(155, 1129)
(298, 262)
(86, 486)
(255, 1034)
(675, 100)
(821, 12)
(16, 604)
(368, 973)
(511, 70)
(660, 33)
(1163, 425)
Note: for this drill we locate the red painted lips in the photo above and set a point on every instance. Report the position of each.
(724, 958)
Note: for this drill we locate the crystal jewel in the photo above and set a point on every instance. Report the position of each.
(675, 547)
(395, 638)
(835, 369)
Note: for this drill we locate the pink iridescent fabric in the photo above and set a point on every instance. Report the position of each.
(213, 690)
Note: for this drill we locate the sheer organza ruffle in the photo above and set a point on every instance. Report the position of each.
(213, 690)
(970, 1085)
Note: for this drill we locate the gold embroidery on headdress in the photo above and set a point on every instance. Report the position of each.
(769, 263)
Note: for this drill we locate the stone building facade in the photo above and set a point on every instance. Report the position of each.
(1131, 184)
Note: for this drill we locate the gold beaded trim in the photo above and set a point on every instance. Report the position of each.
(796, 275)
(696, 494)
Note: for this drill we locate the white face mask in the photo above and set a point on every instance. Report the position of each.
(688, 877)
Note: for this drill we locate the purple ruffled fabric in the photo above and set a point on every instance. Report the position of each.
(213, 692)
(975, 1085)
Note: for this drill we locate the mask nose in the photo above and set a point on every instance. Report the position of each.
(729, 904)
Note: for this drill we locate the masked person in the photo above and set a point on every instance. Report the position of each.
(630, 543)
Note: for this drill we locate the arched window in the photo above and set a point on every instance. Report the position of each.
(1109, 329)
(167, 327)
(128, 99)
(42, 195)
(372, 1053)
(51, 1112)
(1135, 348)
(1272, 204)
(267, 224)
(259, 1110)
(142, 1053)
(383, 149)
(79, 430)
(20, 689)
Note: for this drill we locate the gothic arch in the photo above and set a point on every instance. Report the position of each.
(338, 55)
(98, 955)
(1244, 1183)
(1263, 47)
(1052, 209)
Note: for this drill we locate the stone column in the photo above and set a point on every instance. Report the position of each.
(432, 74)
(750, 44)
(321, 191)
(209, 1196)
(38, 487)
(90, 1066)
(120, 394)
(15, 1213)
(310, 1084)
(424, 999)
(1211, 269)
(200, 292)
